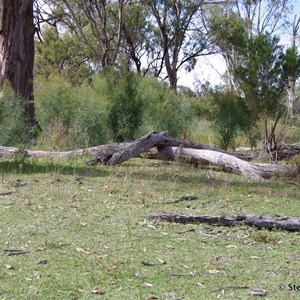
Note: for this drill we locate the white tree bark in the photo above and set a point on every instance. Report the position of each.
(253, 171)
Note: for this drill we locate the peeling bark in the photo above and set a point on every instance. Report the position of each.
(17, 50)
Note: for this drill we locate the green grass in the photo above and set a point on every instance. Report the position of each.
(89, 225)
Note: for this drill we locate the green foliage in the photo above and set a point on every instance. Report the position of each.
(202, 130)
(228, 30)
(126, 104)
(62, 53)
(292, 134)
(262, 75)
(138, 34)
(14, 129)
(70, 116)
(230, 116)
(118, 107)
(175, 116)
(164, 110)
(170, 116)
(201, 107)
(177, 44)
(264, 236)
(292, 63)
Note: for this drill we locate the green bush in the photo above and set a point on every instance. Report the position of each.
(230, 116)
(126, 104)
(14, 130)
(164, 110)
(203, 131)
(71, 117)
(292, 133)
(174, 117)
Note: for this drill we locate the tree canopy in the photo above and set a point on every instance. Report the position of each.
(121, 45)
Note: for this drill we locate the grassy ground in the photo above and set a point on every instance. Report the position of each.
(87, 235)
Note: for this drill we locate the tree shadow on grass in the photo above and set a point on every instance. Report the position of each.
(30, 167)
(209, 176)
(137, 170)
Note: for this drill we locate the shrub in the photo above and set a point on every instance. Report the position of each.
(70, 117)
(230, 116)
(203, 131)
(13, 127)
(293, 132)
(126, 104)
(175, 117)
(164, 110)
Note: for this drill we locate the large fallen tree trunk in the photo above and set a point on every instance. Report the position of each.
(114, 153)
(112, 156)
(169, 148)
(261, 221)
(230, 163)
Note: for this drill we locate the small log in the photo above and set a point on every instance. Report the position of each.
(260, 221)
(284, 151)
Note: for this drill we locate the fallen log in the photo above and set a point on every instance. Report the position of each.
(6, 152)
(254, 171)
(168, 148)
(111, 156)
(113, 153)
(173, 149)
(260, 221)
(284, 151)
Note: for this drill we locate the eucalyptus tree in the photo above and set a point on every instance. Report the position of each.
(264, 75)
(91, 22)
(17, 51)
(292, 60)
(232, 24)
(262, 15)
(228, 33)
(181, 40)
(157, 37)
(115, 32)
(137, 38)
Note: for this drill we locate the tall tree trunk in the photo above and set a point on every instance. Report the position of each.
(292, 98)
(17, 50)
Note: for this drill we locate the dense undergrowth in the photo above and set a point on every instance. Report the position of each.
(118, 107)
